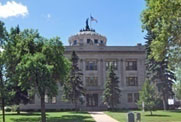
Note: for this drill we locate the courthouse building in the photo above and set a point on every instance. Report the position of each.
(95, 57)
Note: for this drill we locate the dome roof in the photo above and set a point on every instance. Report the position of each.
(87, 36)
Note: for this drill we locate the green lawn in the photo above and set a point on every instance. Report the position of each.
(51, 117)
(158, 116)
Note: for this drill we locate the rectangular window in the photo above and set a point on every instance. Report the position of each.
(130, 97)
(91, 81)
(131, 65)
(132, 81)
(91, 65)
(136, 97)
(113, 63)
(95, 41)
(53, 100)
(88, 41)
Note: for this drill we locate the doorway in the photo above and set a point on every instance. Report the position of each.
(92, 100)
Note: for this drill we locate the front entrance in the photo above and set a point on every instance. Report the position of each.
(92, 100)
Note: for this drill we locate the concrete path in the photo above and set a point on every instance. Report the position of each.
(101, 117)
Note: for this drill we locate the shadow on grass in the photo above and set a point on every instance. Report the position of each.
(176, 111)
(23, 114)
(26, 119)
(157, 115)
(119, 111)
(64, 118)
(70, 118)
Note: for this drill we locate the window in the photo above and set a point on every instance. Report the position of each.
(132, 81)
(88, 41)
(136, 97)
(130, 97)
(75, 42)
(91, 81)
(95, 41)
(113, 63)
(101, 42)
(131, 65)
(91, 65)
(53, 100)
(46, 98)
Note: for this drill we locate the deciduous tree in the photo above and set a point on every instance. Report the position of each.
(147, 97)
(42, 64)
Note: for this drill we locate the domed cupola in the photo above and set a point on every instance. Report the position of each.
(87, 36)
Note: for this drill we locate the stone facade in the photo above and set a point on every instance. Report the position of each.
(95, 57)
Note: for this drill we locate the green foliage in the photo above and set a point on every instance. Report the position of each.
(73, 87)
(17, 93)
(33, 63)
(147, 97)
(3, 84)
(112, 92)
(158, 72)
(162, 17)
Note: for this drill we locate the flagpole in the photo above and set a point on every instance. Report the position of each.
(90, 23)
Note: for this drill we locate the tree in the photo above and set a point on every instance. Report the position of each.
(2, 86)
(158, 72)
(73, 87)
(3, 91)
(162, 17)
(147, 97)
(112, 92)
(41, 65)
(18, 94)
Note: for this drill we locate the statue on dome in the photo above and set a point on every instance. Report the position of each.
(87, 24)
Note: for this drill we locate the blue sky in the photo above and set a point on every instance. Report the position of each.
(118, 20)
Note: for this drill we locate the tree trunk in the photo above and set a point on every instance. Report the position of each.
(18, 110)
(76, 105)
(151, 112)
(43, 114)
(3, 111)
(164, 103)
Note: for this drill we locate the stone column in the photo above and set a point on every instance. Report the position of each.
(119, 71)
(82, 66)
(100, 73)
(104, 73)
(123, 70)
(140, 71)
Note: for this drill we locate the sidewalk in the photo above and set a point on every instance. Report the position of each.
(101, 117)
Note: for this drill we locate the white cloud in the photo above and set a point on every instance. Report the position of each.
(49, 16)
(11, 8)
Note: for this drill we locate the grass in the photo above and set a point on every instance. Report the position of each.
(51, 117)
(158, 116)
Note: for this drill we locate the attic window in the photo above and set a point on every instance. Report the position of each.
(95, 41)
(88, 41)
